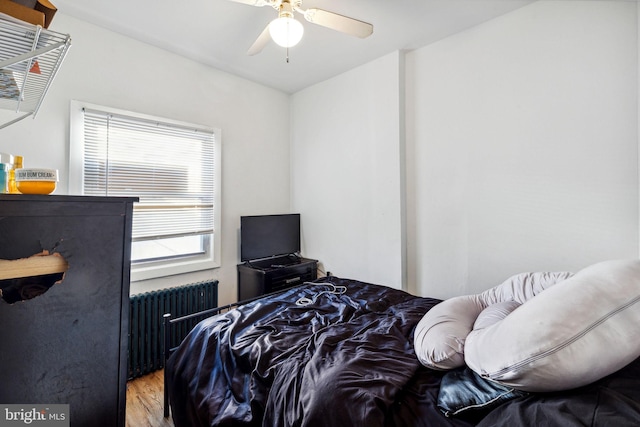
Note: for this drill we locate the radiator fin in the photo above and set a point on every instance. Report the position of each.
(146, 344)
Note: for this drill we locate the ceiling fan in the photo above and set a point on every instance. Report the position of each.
(287, 32)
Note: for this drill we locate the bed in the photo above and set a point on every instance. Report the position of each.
(340, 352)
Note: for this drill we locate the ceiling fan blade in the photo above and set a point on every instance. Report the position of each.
(258, 3)
(339, 22)
(260, 42)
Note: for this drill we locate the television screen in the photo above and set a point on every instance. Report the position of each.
(264, 236)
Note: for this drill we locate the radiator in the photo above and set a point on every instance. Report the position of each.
(146, 345)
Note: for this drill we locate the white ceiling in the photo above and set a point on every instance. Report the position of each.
(219, 32)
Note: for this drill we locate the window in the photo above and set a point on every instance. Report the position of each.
(172, 167)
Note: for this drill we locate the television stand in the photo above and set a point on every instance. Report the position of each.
(261, 277)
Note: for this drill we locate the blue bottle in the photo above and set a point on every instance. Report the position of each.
(4, 177)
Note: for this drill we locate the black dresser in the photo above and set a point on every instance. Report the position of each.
(68, 345)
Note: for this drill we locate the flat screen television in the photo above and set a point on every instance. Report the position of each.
(265, 236)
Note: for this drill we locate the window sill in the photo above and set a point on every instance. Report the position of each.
(145, 272)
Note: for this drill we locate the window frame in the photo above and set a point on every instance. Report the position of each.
(162, 268)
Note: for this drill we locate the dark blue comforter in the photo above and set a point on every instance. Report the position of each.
(340, 353)
(345, 359)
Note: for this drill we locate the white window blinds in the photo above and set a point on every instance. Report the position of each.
(168, 166)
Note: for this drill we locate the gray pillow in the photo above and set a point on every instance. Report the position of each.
(567, 336)
(440, 335)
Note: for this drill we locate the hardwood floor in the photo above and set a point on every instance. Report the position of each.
(145, 400)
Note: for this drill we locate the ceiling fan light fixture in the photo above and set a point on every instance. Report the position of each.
(286, 31)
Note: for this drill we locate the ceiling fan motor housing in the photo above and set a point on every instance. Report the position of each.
(289, 31)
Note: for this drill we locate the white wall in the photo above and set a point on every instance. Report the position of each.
(524, 146)
(521, 152)
(105, 68)
(346, 171)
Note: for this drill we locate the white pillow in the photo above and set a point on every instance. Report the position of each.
(439, 338)
(569, 335)
(494, 313)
